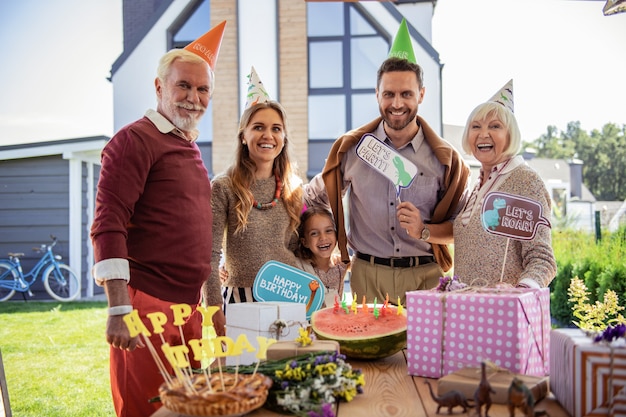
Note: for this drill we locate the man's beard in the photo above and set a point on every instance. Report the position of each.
(184, 123)
(398, 124)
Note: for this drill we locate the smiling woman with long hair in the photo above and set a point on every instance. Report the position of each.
(256, 204)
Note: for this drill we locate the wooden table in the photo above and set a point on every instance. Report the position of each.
(390, 392)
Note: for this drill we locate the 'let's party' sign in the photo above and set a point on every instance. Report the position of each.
(386, 160)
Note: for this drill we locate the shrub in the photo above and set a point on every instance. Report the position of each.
(598, 264)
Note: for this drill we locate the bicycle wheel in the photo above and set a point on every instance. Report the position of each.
(8, 280)
(63, 286)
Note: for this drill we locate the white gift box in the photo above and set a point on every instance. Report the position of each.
(274, 320)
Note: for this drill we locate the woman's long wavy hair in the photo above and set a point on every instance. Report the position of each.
(241, 173)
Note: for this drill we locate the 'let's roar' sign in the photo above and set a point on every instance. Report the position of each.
(512, 215)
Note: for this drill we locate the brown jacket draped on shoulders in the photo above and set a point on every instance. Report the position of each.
(455, 180)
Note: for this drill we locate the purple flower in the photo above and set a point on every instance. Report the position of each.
(611, 333)
(326, 411)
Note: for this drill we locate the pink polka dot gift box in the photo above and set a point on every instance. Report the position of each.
(447, 331)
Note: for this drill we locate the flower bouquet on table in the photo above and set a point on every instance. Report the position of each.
(310, 384)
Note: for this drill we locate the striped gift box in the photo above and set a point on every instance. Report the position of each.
(583, 375)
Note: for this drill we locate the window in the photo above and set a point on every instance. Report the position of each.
(345, 50)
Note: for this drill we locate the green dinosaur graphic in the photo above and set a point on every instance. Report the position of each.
(491, 218)
(404, 178)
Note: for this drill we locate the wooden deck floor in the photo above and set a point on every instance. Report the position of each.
(390, 391)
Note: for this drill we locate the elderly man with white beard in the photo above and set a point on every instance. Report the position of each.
(152, 228)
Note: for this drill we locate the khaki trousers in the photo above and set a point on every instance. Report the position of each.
(376, 281)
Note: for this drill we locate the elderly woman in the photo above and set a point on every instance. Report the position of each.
(480, 257)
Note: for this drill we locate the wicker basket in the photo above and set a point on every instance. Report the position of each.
(223, 395)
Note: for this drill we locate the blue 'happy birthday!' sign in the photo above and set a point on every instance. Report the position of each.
(277, 281)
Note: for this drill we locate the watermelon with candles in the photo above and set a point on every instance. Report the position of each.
(362, 333)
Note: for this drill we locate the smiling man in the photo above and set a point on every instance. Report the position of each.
(152, 227)
(399, 240)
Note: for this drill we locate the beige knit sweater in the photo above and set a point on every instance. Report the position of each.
(266, 238)
(479, 256)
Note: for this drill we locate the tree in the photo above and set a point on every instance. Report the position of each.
(603, 154)
(552, 145)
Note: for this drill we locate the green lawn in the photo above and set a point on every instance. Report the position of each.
(56, 358)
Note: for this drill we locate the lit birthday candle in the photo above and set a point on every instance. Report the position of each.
(375, 308)
(385, 304)
(344, 306)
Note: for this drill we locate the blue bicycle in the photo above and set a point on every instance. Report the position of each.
(58, 279)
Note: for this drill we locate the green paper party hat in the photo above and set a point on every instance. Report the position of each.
(256, 90)
(402, 46)
(505, 96)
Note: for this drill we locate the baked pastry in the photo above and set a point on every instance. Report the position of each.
(223, 394)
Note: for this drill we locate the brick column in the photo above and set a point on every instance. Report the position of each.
(293, 77)
(226, 96)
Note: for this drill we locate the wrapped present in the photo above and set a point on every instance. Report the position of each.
(287, 349)
(587, 378)
(619, 403)
(273, 320)
(447, 331)
(466, 381)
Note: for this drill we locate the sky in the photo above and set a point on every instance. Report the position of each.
(56, 57)
(566, 59)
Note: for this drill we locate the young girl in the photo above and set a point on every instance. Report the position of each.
(318, 239)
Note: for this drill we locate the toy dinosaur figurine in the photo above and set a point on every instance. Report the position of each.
(482, 396)
(521, 397)
(450, 399)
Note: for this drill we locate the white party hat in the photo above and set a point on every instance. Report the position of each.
(505, 96)
(256, 91)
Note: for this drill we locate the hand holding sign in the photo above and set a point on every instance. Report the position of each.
(511, 216)
(387, 161)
